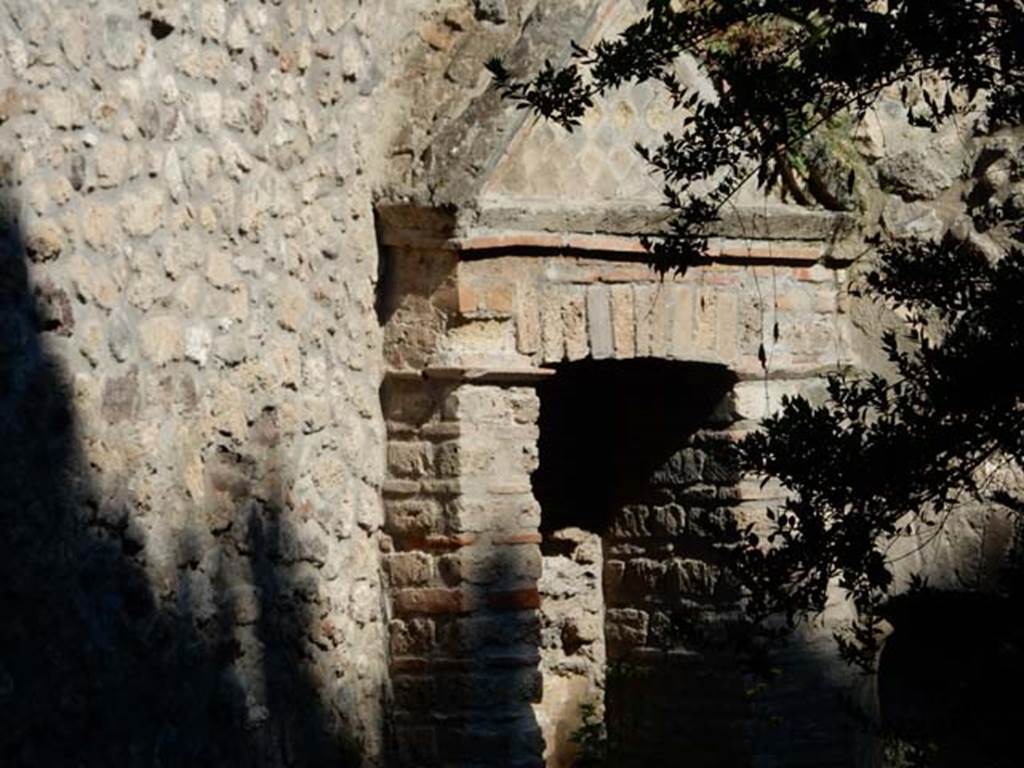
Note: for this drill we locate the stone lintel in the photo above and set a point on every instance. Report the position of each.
(487, 375)
(776, 233)
(499, 242)
(474, 374)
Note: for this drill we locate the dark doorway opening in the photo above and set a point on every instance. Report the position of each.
(608, 427)
(638, 454)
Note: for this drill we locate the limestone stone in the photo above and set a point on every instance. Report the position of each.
(73, 40)
(142, 215)
(237, 38)
(61, 109)
(122, 43)
(93, 281)
(161, 339)
(220, 271)
(198, 341)
(120, 337)
(110, 164)
(44, 241)
(599, 322)
(914, 175)
(291, 305)
(173, 176)
(912, 221)
(209, 111)
(212, 18)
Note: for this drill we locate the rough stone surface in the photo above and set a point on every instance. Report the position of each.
(226, 541)
(913, 175)
(192, 446)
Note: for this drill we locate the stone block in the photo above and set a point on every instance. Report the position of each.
(706, 326)
(728, 326)
(641, 581)
(409, 569)
(756, 400)
(410, 460)
(473, 635)
(574, 323)
(411, 637)
(644, 296)
(528, 320)
(500, 565)
(625, 630)
(913, 174)
(599, 322)
(504, 514)
(623, 321)
(162, 339)
(489, 691)
(551, 328)
(448, 459)
(486, 300)
(414, 518)
(683, 320)
(663, 318)
(691, 578)
(142, 214)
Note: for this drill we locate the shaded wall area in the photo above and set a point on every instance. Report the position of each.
(462, 566)
(117, 648)
(949, 680)
(638, 453)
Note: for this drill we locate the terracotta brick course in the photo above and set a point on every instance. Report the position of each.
(430, 601)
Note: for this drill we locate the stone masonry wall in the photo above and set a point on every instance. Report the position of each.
(192, 445)
(572, 642)
(673, 687)
(640, 597)
(463, 573)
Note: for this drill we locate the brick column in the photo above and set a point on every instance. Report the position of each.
(463, 573)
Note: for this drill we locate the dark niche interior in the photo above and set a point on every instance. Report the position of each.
(607, 428)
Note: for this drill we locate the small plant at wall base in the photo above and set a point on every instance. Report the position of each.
(591, 738)
(881, 456)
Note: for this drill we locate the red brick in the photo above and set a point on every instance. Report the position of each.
(514, 600)
(438, 542)
(430, 601)
(409, 665)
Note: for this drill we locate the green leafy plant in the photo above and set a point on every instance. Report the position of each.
(881, 455)
(591, 738)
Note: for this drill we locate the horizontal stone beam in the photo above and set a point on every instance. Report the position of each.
(495, 242)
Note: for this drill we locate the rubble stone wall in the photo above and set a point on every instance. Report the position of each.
(224, 541)
(192, 444)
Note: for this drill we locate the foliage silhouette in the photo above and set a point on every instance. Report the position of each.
(784, 69)
(881, 453)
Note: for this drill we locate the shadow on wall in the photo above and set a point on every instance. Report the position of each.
(639, 453)
(98, 665)
(464, 640)
(950, 678)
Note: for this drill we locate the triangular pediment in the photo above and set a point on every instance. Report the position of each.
(496, 166)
